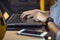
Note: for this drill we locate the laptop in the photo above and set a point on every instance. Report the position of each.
(13, 18)
(3, 26)
(15, 21)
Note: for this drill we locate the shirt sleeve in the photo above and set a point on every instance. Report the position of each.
(58, 35)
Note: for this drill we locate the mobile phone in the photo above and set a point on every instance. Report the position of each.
(32, 33)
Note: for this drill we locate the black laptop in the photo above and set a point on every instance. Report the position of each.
(14, 10)
(15, 21)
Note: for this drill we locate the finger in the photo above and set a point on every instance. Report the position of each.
(23, 15)
(29, 16)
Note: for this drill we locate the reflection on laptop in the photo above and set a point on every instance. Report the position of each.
(2, 26)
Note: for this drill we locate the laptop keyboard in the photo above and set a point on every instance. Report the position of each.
(16, 19)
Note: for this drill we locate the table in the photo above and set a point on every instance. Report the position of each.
(11, 35)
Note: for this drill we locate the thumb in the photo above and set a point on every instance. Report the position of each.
(35, 19)
(29, 16)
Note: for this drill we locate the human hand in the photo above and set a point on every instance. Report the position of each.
(39, 17)
(29, 13)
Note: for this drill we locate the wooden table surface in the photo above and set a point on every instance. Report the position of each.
(11, 35)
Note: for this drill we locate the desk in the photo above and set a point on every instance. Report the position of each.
(11, 35)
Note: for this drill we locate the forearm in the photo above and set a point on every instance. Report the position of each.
(52, 27)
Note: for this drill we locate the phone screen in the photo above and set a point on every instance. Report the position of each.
(32, 32)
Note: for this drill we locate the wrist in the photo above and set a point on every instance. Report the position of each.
(53, 27)
(48, 22)
(49, 19)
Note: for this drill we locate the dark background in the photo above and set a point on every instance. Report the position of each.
(18, 6)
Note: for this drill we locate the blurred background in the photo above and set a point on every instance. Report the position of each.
(18, 6)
